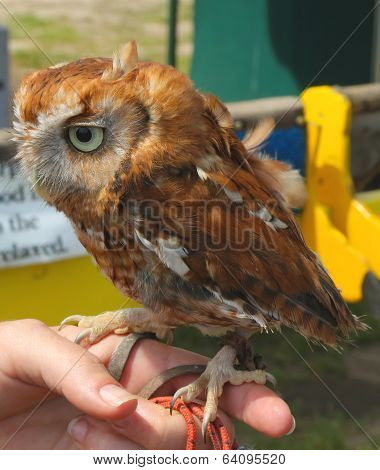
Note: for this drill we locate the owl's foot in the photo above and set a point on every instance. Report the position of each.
(219, 371)
(120, 322)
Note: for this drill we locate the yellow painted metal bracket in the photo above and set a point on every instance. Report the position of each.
(342, 230)
(52, 291)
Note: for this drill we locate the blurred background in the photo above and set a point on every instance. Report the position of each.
(259, 56)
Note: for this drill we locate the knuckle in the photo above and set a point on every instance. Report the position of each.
(28, 323)
(35, 325)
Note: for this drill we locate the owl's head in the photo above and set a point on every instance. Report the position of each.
(80, 124)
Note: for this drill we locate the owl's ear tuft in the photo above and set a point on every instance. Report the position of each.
(124, 61)
(218, 109)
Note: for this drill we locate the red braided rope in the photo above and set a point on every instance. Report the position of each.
(216, 431)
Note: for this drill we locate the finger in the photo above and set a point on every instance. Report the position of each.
(259, 407)
(90, 433)
(37, 355)
(256, 405)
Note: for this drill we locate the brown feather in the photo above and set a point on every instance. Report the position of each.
(173, 208)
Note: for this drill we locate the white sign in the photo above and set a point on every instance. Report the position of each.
(31, 232)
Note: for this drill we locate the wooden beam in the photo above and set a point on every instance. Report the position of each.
(287, 110)
(364, 98)
(284, 109)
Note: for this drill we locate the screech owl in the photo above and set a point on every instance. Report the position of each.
(174, 209)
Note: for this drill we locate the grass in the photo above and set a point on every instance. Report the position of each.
(56, 38)
(44, 30)
(64, 39)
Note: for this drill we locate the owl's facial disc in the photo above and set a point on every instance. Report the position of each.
(84, 138)
(78, 124)
(38, 186)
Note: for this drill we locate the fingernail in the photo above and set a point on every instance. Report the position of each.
(77, 429)
(114, 395)
(292, 428)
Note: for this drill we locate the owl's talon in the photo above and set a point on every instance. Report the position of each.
(205, 423)
(82, 335)
(219, 371)
(172, 403)
(72, 319)
(271, 379)
(174, 399)
(120, 322)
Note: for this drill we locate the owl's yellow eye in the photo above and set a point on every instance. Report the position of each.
(86, 138)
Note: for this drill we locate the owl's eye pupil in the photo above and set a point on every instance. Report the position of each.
(85, 138)
(83, 134)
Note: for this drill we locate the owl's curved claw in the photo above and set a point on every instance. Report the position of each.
(72, 319)
(175, 397)
(271, 379)
(98, 326)
(82, 335)
(205, 422)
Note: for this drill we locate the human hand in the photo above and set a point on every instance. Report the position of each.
(37, 361)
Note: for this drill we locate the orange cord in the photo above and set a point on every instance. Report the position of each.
(216, 431)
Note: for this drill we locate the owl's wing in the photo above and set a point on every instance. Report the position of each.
(228, 230)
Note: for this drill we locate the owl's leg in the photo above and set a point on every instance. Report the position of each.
(246, 357)
(121, 322)
(219, 371)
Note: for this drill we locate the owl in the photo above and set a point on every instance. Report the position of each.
(175, 210)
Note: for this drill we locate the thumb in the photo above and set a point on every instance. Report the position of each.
(39, 356)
